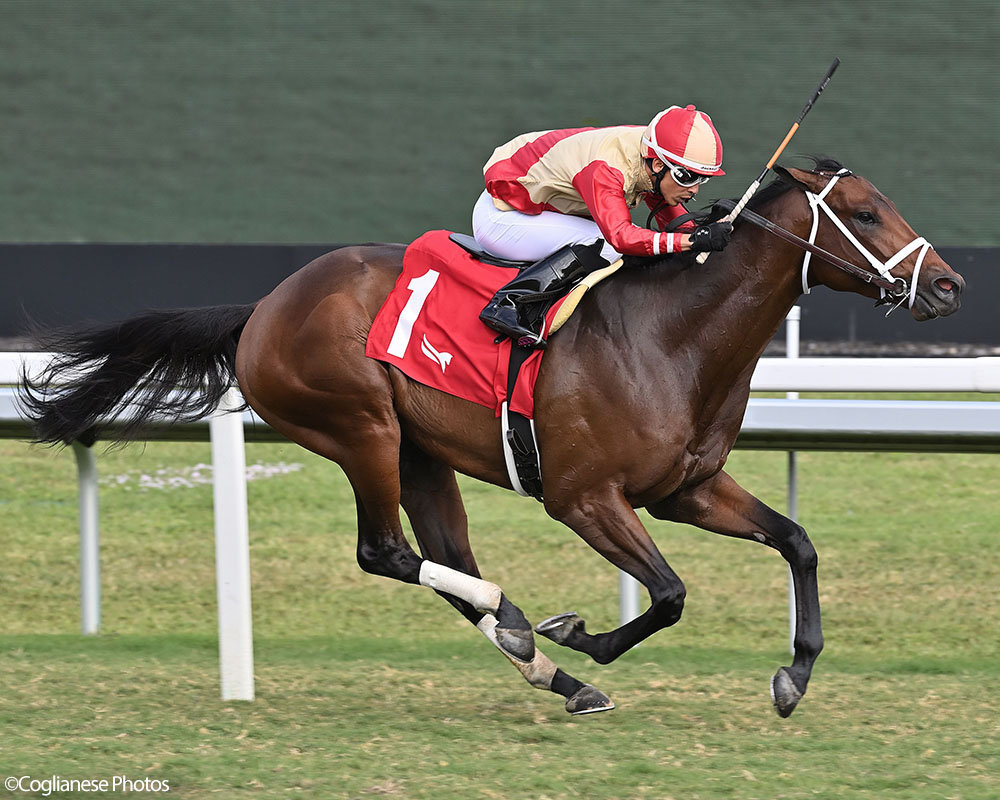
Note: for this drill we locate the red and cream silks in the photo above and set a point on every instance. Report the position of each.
(551, 188)
(593, 174)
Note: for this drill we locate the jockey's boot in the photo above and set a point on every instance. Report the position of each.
(518, 309)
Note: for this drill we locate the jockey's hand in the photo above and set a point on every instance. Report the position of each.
(714, 236)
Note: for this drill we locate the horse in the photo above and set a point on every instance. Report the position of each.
(637, 405)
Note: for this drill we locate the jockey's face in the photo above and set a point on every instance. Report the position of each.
(672, 192)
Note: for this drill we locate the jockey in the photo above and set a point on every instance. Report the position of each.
(549, 193)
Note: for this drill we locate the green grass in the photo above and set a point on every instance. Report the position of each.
(366, 687)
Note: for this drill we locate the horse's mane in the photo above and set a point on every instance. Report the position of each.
(777, 187)
(780, 185)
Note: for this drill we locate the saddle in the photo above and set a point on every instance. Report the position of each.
(520, 444)
(573, 295)
(474, 249)
(429, 329)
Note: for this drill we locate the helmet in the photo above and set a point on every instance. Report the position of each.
(684, 136)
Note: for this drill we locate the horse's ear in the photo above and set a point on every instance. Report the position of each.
(804, 179)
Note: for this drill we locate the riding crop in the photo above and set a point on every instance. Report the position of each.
(703, 257)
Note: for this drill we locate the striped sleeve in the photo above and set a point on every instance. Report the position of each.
(602, 188)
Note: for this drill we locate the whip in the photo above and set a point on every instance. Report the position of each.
(703, 257)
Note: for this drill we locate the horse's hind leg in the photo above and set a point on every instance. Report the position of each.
(722, 506)
(355, 425)
(433, 503)
(369, 455)
(345, 413)
(383, 550)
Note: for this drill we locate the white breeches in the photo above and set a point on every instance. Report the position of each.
(531, 237)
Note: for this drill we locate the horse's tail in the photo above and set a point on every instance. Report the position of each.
(168, 366)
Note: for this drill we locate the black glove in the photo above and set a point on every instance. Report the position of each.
(714, 236)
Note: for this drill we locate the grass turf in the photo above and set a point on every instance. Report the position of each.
(367, 687)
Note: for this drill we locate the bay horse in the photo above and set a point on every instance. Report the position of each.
(638, 403)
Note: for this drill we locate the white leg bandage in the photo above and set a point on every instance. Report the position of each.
(538, 672)
(481, 595)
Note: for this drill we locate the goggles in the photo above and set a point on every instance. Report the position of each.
(685, 177)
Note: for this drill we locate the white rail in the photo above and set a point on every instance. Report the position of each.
(877, 375)
(232, 549)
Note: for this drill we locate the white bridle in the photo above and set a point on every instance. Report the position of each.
(817, 201)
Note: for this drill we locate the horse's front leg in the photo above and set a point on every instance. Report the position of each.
(722, 506)
(604, 519)
(433, 503)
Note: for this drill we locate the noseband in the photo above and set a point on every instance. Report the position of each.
(897, 289)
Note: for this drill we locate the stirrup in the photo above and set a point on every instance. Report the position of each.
(533, 341)
(503, 317)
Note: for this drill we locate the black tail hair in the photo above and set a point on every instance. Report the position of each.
(164, 366)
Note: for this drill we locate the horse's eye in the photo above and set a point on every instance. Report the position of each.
(866, 218)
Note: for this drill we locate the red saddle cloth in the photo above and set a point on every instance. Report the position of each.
(429, 327)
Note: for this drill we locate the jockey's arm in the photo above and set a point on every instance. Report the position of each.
(602, 188)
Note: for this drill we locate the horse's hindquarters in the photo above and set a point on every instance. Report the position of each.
(458, 432)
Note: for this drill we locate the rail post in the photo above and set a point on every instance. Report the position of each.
(232, 550)
(90, 540)
(792, 351)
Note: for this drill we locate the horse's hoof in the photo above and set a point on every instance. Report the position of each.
(784, 693)
(560, 627)
(588, 700)
(516, 643)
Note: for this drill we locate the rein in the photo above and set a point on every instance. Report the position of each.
(893, 289)
(896, 286)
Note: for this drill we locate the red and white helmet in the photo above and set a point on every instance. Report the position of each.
(687, 137)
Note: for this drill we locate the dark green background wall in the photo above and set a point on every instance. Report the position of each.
(311, 121)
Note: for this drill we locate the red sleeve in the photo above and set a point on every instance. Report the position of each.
(602, 188)
(668, 214)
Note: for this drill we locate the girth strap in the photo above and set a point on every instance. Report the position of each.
(520, 447)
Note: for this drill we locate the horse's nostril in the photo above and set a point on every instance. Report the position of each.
(945, 284)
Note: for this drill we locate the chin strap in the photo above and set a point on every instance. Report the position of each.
(656, 177)
(906, 291)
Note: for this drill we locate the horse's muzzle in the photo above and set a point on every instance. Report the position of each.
(939, 293)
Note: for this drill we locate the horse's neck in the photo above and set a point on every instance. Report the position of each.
(755, 283)
(724, 312)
